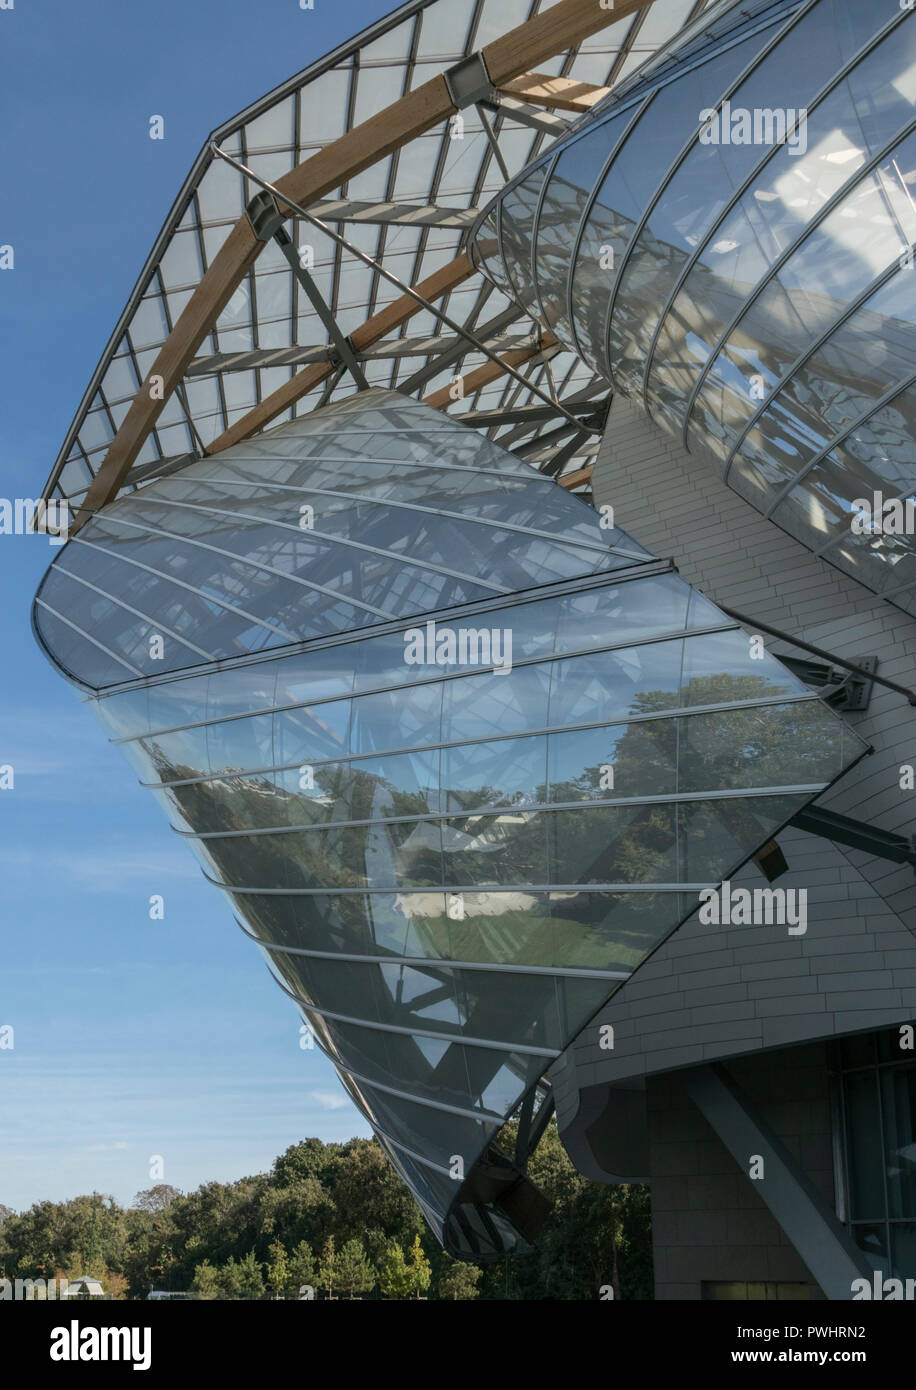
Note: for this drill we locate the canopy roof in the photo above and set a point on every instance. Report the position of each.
(367, 138)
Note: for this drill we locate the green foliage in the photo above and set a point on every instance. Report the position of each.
(419, 1269)
(278, 1275)
(345, 1201)
(156, 1199)
(394, 1276)
(251, 1280)
(355, 1274)
(327, 1269)
(206, 1281)
(595, 1235)
(302, 1268)
(459, 1280)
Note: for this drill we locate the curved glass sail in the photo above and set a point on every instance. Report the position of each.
(458, 756)
(721, 238)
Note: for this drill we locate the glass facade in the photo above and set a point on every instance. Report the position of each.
(459, 757)
(723, 235)
(878, 1076)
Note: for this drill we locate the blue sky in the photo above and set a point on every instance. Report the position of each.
(133, 1038)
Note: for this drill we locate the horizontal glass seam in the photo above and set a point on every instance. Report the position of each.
(457, 1038)
(647, 568)
(672, 635)
(181, 584)
(144, 617)
(86, 636)
(468, 1114)
(679, 712)
(406, 561)
(572, 544)
(472, 888)
(527, 808)
(497, 967)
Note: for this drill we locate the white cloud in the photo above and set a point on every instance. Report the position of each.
(329, 1100)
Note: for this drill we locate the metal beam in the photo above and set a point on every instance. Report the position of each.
(394, 214)
(530, 415)
(260, 357)
(524, 114)
(552, 462)
(490, 371)
(884, 844)
(379, 326)
(491, 333)
(434, 344)
(503, 364)
(343, 350)
(822, 1242)
(869, 675)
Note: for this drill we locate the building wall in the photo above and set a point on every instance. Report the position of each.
(710, 993)
(708, 1222)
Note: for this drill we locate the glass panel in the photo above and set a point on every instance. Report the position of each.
(567, 196)
(611, 844)
(859, 240)
(625, 760)
(510, 772)
(859, 362)
(898, 1096)
(516, 225)
(840, 134)
(629, 185)
(863, 1124)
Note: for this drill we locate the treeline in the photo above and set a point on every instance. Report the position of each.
(336, 1219)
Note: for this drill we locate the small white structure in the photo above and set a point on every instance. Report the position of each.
(84, 1286)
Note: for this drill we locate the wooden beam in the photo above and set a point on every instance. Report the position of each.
(379, 326)
(539, 89)
(516, 52)
(235, 257)
(326, 170)
(581, 475)
(490, 371)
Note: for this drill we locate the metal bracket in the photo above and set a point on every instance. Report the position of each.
(864, 669)
(885, 844)
(848, 691)
(265, 217)
(469, 82)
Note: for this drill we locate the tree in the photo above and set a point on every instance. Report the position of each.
(156, 1199)
(327, 1269)
(394, 1277)
(250, 1277)
(302, 1268)
(229, 1279)
(5, 1211)
(418, 1268)
(278, 1269)
(355, 1274)
(206, 1282)
(460, 1280)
